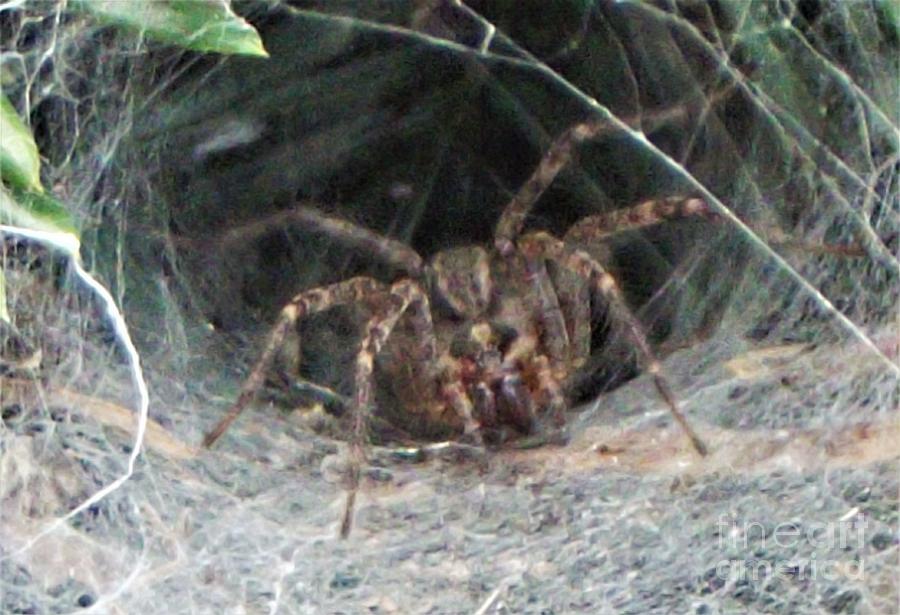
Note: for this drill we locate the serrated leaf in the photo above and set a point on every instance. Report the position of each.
(20, 164)
(201, 25)
(38, 212)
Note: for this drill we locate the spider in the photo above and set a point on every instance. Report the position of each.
(512, 333)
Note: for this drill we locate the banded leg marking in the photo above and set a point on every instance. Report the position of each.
(605, 284)
(553, 161)
(303, 304)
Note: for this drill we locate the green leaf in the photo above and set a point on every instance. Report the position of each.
(4, 310)
(890, 10)
(38, 212)
(20, 164)
(201, 25)
(41, 214)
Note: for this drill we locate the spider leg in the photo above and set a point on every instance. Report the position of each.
(557, 293)
(412, 293)
(423, 325)
(553, 322)
(394, 253)
(390, 251)
(600, 226)
(377, 331)
(605, 284)
(308, 302)
(648, 213)
(563, 347)
(548, 384)
(554, 159)
(408, 298)
(455, 394)
(521, 357)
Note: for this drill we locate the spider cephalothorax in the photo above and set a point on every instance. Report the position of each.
(512, 326)
(487, 371)
(461, 277)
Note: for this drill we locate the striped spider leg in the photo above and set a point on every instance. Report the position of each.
(435, 378)
(563, 307)
(567, 342)
(389, 304)
(542, 246)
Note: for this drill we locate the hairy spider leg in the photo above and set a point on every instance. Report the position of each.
(409, 298)
(308, 302)
(560, 153)
(354, 290)
(455, 394)
(604, 284)
(548, 384)
(555, 335)
(600, 226)
(306, 216)
(378, 329)
(593, 228)
(390, 251)
(557, 157)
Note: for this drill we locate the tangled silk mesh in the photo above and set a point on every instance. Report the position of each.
(419, 120)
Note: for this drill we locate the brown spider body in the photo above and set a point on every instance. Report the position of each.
(493, 357)
(513, 322)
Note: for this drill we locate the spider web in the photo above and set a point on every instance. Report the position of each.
(420, 120)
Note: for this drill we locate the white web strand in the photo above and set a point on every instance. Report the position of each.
(783, 120)
(760, 243)
(67, 244)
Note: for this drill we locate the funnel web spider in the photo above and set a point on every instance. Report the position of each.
(511, 334)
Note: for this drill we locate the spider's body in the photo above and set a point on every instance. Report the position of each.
(513, 324)
(492, 359)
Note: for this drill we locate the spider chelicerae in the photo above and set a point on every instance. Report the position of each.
(514, 327)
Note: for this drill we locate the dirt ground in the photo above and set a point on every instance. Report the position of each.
(795, 510)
